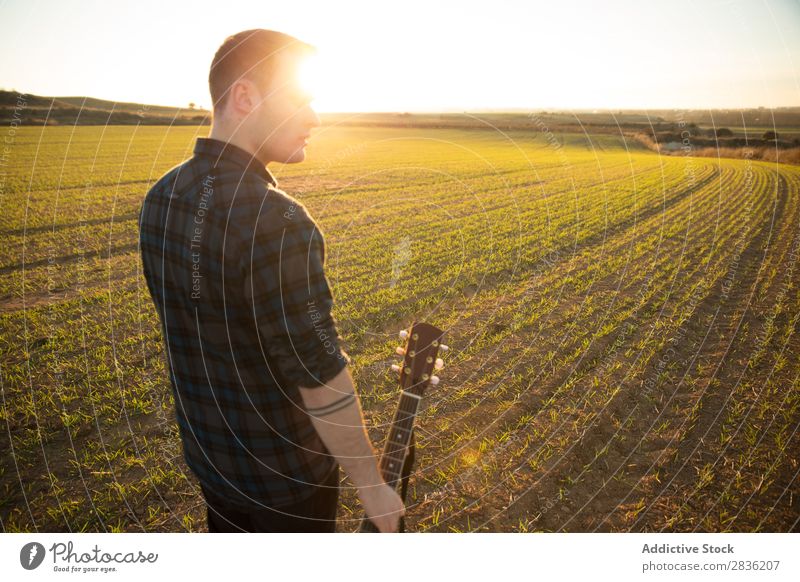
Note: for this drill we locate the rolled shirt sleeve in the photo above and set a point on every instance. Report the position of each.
(291, 300)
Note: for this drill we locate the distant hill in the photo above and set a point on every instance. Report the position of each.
(661, 123)
(39, 110)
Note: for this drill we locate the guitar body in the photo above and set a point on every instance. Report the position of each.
(397, 460)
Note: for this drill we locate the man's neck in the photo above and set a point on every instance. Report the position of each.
(221, 133)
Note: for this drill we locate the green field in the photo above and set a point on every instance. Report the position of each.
(623, 328)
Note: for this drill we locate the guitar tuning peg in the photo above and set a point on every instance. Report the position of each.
(401, 350)
(439, 364)
(395, 368)
(403, 334)
(444, 348)
(434, 380)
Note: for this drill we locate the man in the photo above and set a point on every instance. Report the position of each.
(264, 400)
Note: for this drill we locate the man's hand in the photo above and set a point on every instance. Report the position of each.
(384, 507)
(340, 424)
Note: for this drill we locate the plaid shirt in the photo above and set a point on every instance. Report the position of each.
(235, 268)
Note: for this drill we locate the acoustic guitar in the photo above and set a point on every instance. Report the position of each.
(423, 342)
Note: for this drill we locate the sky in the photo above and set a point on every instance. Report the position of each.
(422, 55)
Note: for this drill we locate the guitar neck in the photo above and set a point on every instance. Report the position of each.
(423, 341)
(396, 447)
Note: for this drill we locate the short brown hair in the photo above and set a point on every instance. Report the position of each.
(252, 54)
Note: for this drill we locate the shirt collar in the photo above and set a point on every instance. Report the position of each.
(222, 150)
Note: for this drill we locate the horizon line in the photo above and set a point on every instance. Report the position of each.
(514, 109)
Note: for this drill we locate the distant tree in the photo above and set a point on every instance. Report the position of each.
(724, 132)
(191, 105)
(692, 128)
(770, 135)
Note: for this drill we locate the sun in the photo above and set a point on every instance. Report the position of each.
(328, 81)
(309, 76)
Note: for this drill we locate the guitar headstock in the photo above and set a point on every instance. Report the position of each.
(420, 357)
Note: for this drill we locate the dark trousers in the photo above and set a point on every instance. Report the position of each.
(316, 514)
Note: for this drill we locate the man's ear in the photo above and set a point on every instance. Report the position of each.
(244, 96)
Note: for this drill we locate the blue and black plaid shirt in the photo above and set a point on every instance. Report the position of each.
(235, 269)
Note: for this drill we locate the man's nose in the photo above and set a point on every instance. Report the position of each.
(314, 120)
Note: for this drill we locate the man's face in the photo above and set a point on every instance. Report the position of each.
(281, 120)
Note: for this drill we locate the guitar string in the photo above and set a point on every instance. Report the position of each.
(402, 417)
(405, 418)
(413, 413)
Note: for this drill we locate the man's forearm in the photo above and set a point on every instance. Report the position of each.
(335, 412)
